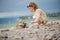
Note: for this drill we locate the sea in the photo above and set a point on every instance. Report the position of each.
(12, 21)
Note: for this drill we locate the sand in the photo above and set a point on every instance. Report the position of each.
(50, 31)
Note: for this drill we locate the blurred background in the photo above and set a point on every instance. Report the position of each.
(11, 10)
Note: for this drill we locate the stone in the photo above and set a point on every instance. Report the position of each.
(44, 32)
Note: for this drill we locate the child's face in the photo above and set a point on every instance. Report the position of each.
(31, 9)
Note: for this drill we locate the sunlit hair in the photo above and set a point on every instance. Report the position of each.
(33, 4)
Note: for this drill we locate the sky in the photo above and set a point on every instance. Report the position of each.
(17, 7)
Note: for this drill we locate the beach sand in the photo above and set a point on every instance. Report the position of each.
(50, 31)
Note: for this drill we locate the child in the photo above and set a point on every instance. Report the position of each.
(39, 15)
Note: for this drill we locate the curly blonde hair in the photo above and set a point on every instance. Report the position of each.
(33, 4)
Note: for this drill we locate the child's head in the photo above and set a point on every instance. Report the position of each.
(32, 6)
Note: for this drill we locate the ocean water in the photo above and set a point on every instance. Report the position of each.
(12, 21)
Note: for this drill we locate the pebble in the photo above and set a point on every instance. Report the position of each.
(44, 32)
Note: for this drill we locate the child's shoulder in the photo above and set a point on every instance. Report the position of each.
(39, 10)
